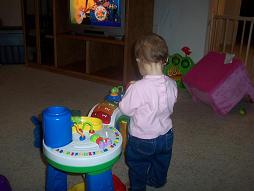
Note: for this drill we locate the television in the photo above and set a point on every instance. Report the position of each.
(97, 17)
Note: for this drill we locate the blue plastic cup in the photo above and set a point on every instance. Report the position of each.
(57, 126)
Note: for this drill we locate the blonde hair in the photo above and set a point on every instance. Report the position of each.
(151, 48)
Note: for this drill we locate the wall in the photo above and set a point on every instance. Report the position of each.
(10, 13)
(182, 23)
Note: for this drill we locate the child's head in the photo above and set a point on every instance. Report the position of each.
(151, 53)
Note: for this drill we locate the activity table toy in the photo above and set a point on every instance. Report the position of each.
(89, 145)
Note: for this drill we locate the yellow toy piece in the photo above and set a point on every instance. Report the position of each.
(78, 187)
(75, 126)
(88, 123)
(91, 123)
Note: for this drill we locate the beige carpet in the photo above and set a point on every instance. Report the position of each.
(211, 153)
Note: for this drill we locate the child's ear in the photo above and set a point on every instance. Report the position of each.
(165, 62)
(138, 60)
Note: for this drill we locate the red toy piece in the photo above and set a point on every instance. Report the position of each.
(118, 185)
(103, 116)
(186, 50)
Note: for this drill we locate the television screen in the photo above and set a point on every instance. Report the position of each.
(96, 12)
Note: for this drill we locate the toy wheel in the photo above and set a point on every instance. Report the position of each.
(186, 63)
(176, 59)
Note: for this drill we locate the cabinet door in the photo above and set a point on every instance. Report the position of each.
(29, 11)
(46, 32)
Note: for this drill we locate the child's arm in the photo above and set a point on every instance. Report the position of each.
(175, 92)
(130, 101)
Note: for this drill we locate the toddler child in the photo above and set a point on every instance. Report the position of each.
(149, 103)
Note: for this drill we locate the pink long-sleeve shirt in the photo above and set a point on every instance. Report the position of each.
(149, 103)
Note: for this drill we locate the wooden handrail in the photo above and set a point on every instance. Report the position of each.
(238, 18)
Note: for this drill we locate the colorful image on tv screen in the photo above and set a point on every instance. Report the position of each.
(96, 12)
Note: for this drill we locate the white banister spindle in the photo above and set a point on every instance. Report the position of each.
(242, 37)
(210, 47)
(235, 26)
(225, 36)
(248, 45)
(214, 34)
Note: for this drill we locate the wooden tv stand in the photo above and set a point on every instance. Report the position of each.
(49, 44)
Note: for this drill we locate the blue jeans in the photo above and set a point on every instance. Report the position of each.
(148, 160)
